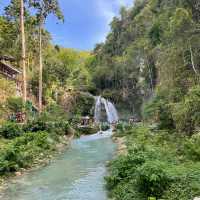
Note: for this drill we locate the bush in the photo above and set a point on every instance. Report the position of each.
(84, 104)
(186, 114)
(22, 151)
(88, 130)
(124, 168)
(122, 182)
(35, 125)
(105, 126)
(159, 111)
(10, 130)
(54, 112)
(60, 128)
(186, 182)
(123, 127)
(159, 165)
(52, 120)
(192, 147)
(152, 178)
(15, 104)
(127, 191)
(141, 169)
(182, 189)
(39, 124)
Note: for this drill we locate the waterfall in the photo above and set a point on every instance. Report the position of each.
(111, 111)
(97, 112)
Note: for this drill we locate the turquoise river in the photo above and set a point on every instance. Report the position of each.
(77, 174)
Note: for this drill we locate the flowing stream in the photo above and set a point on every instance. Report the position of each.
(77, 174)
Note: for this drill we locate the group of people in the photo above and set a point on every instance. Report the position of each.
(18, 117)
(133, 120)
(86, 121)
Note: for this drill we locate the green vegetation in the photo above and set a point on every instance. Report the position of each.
(23, 145)
(15, 104)
(66, 79)
(149, 66)
(32, 142)
(65, 73)
(23, 151)
(10, 130)
(151, 52)
(159, 164)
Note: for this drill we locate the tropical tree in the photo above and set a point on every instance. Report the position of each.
(23, 53)
(44, 8)
(18, 32)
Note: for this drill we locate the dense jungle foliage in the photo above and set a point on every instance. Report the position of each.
(64, 72)
(151, 53)
(23, 145)
(149, 66)
(159, 164)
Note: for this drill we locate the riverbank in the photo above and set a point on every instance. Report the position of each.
(159, 164)
(78, 173)
(42, 160)
(121, 144)
(61, 142)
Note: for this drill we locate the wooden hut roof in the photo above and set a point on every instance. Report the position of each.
(7, 58)
(12, 69)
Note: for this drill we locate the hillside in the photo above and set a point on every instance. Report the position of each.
(151, 51)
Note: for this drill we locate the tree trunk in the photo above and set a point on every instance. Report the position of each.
(23, 56)
(40, 66)
(192, 61)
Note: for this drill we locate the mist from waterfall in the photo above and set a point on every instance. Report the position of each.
(111, 111)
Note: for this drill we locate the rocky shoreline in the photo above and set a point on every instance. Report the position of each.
(121, 144)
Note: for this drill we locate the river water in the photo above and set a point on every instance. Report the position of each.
(77, 174)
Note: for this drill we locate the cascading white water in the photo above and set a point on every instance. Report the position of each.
(111, 111)
(97, 112)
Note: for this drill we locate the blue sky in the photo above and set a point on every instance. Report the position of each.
(86, 22)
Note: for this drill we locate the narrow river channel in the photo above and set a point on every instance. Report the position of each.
(78, 174)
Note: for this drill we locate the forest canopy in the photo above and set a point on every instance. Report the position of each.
(152, 50)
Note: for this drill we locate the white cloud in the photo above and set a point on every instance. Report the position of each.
(124, 2)
(107, 9)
